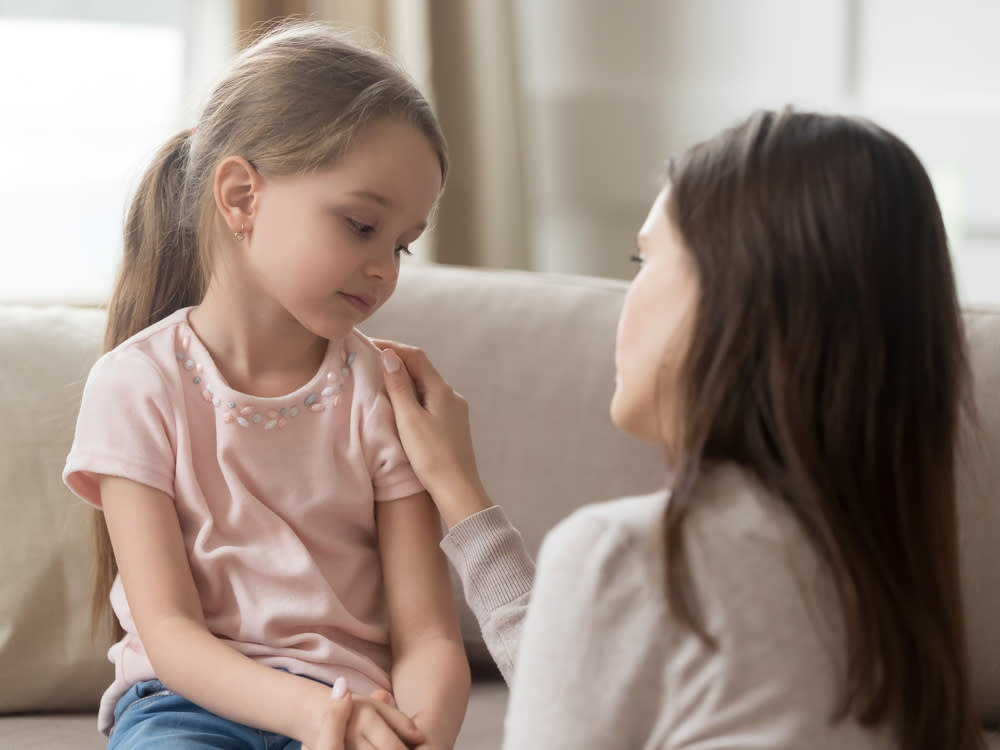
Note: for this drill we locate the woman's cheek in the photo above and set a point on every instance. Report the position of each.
(630, 382)
(627, 329)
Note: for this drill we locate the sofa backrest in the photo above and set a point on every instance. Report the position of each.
(532, 353)
(46, 655)
(979, 510)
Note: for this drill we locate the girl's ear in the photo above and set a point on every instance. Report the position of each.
(236, 186)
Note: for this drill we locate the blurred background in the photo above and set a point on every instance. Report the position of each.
(560, 114)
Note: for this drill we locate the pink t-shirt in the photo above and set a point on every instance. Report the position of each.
(275, 498)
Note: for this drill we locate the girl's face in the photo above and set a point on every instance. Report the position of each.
(325, 246)
(654, 331)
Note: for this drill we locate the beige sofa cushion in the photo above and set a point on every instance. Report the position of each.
(47, 659)
(979, 511)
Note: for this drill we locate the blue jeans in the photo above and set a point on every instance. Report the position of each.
(149, 717)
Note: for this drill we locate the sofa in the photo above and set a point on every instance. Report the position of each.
(533, 355)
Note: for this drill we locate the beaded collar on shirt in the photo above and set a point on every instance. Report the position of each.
(247, 414)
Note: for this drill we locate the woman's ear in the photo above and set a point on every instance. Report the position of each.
(236, 185)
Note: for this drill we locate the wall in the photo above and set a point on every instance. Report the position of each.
(612, 89)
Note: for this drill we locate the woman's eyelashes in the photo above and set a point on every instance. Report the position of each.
(637, 259)
(366, 230)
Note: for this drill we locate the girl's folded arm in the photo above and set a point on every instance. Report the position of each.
(149, 548)
(430, 673)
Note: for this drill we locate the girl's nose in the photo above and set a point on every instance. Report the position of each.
(385, 267)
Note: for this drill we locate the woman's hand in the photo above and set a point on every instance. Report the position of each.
(333, 724)
(433, 423)
(376, 723)
(352, 723)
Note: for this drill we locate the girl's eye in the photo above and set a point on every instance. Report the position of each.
(361, 227)
(365, 229)
(637, 259)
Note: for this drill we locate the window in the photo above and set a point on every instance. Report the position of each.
(97, 94)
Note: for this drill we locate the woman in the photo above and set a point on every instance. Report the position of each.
(793, 340)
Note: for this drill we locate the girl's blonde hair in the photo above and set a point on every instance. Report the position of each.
(292, 102)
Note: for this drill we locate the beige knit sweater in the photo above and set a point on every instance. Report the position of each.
(603, 663)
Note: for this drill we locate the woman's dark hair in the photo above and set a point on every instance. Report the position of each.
(828, 359)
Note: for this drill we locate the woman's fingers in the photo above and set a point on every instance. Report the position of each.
(419, 367)
(386, 726)
(382, 737)
(433, 423)
(412, 378)
(398, 383)
(333, 726)
(368, 722)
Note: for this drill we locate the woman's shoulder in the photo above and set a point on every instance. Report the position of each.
(616, 538)
(740, 540)
(732, 510)
(623, 516)
(732, 518)
(731, 513)
(759, 575)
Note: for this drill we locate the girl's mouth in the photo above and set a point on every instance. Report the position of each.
(361, 302)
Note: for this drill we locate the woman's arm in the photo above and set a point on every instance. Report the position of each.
(430, 673)
(152, 560)
(497, 575)
(489, 555)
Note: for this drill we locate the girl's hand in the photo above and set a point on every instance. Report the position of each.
(433, 423)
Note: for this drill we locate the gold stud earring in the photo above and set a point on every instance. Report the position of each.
(241, 235)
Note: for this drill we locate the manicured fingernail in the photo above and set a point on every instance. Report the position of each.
(339, 688)
(390, 361)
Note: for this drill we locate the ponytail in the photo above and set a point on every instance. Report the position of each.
(161, 272)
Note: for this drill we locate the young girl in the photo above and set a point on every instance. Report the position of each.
(793, 340)
(268, 531)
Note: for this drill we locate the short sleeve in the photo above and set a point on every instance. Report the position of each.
(124, 428)
(390, 470)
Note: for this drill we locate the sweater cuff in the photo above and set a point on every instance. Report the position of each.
(489, 555)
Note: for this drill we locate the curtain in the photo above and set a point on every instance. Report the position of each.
(483, 218)
(253, 13)
(374, 15)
